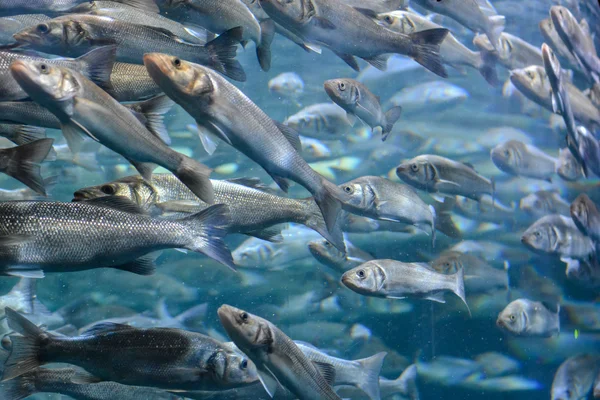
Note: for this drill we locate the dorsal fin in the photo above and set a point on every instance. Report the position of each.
(104, 328)
(291, 135)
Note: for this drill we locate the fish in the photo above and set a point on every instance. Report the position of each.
(245, 198)
(224, 111)
(75, 34)
(120, 353)
(575, 377)
(330, 256)
(71, 382)
(398, 280)
(544, 202)
(512, 52)
(469, 14)
(486, 209)
(131, 82)
(452, 51)
(568, 168)
(219, 16)
(435, 174)
(435, 96)
(586, 216)
(287, 84)
(22, 134)
(326, 121)
(553, 39)
(356, 99)
(23, 163)
(278, 359)
(523, 317)
(85, 110)
(342, 29)
(63, 6)
(16, 23)
(45, 236)
(520, 159)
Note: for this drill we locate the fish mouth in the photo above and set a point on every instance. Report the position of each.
(226, 315)
(329, 89)
(500, 323)
(81, 196)
(20, 71)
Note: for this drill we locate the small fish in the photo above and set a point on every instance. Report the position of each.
(568, 168)
(287, 84)
(575, 376)
(524, 317)
(16, 23)
(120, 353)
(586, 216)
(553, 39)
(328, 255)
(428, 97)
(324, 121)
(486, 209)
(397, 280)
(435, 174)
(512, 52)
(278, 359)
(520, 159)
(544, 202)
(357, 99)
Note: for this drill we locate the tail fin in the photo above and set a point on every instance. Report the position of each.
(23, 357)
(222, 52)
(196, 313)
(391, 116)
(18, 388)
(24, 163)
(488, 68)
(263, 50)
(443, 220)
(329, 199)
(25, 290)
(368, 381)
(314, 220)
(407, 382)
(97, 65)
(459, 290)
(195, 176)
(27, 134)
(496, 27)
(153, 112)
(426, 49)
(208, 228)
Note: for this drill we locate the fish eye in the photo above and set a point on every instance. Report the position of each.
(537, 204)
(530, 74)
(506, 153)
(177, 62)
(537, 234)
(342, 86)
(348, 189)
(388, 19)
(107, 189)
(44, 68)
(43, 28)
(414, 167)
(244, 364)
(327, 244)
(244, 316)
(512, 317)
(361, 273)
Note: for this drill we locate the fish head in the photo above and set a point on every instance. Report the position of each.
(538, 237)
(314, 149)
(366, 279)
(417, 172)
(551, 62)
(288, 83)
(398, 21)
(115, 188)
(568, 168)
(547, 28)
(532, 81)
(290, 11)
(247, 331)
(505, 156)
(360, 195)
(533, 204)
(44, 82)
(342, 92)
(513, 318)
(45, 35)
(178, 78)
(251, 254)
(563, 20)
(580, 209)
(233, 369)
(326, 253)
(448, 263)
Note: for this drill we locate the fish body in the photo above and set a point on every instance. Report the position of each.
(586, 216)
(520, 159)
(512, 52)
(524, 317)
(575, 377)
(131, 82)
(333, 258)
(278, 359)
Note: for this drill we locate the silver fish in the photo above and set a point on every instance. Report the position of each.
(544, 202)
(278, 359)
(23, 163)
(524, 317)
(568, 168)
(357, 99)
(520, 159)
(586, 216)
(512, 51)
(22, 134)
(16, 23)
(328, 255)
(575, 377)
(325, 121)
(131, 82)
(553, 39)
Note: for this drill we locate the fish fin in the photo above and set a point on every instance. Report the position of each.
(142, 266)
(283, 183)
(104, 328)
(460, 287)
(25, 290)
(23, 163)
(437, 197)
(119, 203)
(196, 31)
(23, 272)
(14, 240)
(27, 134)
(196, 177)
(269, 381)
(253, 183)
(348, 59)
(367, 12)
(222, 52)
(18, 388)
(145, 169)
(23, 357)
(154, 111)
(488, 68)
(426, 51)
(497, 23)
(443, 221)
(74, 135)
(330, 199)
(207, 138)
(315, 220)
(395, 297)
(326, 370)
(269, 234)
(263, 50)
(179, 206)
(408, 382)
(368, 380)
(146, 5)
(99, 64)
(323, 23)
(86, 161)
(391, 117)
(196, 313)
(208, 228)
(379, 62)
(437, 297)
(80, 126)
(445, 182)
(313, 47)
(291, 135)
(84, 378)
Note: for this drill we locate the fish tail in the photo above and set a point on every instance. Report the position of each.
(263, 50)
(329, 199)
(391, 117)
(426, 49)
(98, 65)
(154, 111)
(443, 218)
(27, 134)
(459, 290)
(406, 383)
(487, 68)
(24, 354)
(368, 381)
(208, 228)
(314, 219)
(18, 388)
(195, 176)
(222, 52)
(496, 27)
(24, 163)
